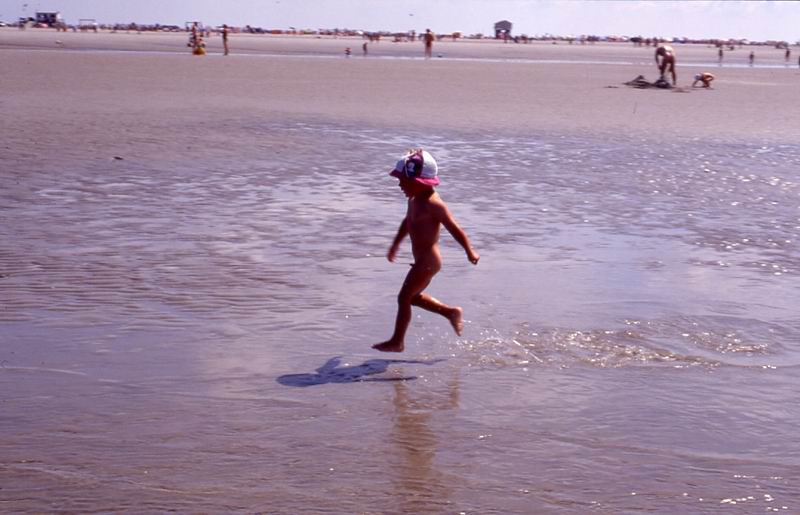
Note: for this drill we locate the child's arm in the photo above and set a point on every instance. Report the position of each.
(401, 233)
(446, 218)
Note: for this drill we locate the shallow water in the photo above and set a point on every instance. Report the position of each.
(194, 335)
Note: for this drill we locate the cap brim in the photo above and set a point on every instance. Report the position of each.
(427, 182)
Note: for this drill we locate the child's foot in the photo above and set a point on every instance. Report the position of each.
(389, 346)
(455, 320)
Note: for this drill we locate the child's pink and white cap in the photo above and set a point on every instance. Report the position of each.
(418, 165)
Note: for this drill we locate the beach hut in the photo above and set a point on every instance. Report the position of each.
(502, 29)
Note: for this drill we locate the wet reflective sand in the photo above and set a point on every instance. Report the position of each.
(188, 327)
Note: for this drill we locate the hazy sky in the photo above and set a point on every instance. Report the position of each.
(755, 20)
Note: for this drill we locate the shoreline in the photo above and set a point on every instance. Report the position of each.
(510, 60)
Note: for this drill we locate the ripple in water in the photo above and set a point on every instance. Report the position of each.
(679, 342)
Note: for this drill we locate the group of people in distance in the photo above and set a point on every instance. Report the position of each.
(665, 59)
(426, 38)
(198, 45)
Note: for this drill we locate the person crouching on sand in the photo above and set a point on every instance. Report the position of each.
(705, 78)
(426, 212)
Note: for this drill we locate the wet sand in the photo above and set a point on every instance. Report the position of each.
(192, 272)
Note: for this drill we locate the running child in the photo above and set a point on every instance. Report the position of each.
(426, 213)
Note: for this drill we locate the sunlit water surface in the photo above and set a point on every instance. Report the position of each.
(195, 335)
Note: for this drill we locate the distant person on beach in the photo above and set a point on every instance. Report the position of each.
(788, 54)
(720, 54)
(225, 39)
(428, 39)
(752, 57)
(667, 55)
(426, 212)
(364, 48)
(705, 78)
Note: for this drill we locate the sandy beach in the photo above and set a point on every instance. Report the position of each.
(479, 85)
(192, 272)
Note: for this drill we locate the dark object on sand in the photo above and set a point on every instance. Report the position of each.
(642, 83)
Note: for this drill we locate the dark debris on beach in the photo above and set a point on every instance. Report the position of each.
(642, 83)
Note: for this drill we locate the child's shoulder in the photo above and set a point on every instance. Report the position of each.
(437, 205)
(428, 198)
(437, 199)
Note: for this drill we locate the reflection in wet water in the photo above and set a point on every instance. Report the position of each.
(630, 341)
(420, 485)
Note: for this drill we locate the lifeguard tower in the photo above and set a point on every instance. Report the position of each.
(502, 29)
(49, 18)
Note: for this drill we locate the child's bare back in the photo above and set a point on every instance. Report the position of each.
(425, 214)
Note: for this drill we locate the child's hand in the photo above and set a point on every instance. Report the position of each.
(473, 256)
(392, 253)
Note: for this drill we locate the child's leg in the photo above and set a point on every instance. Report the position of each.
(417, 280)
(453, 314)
